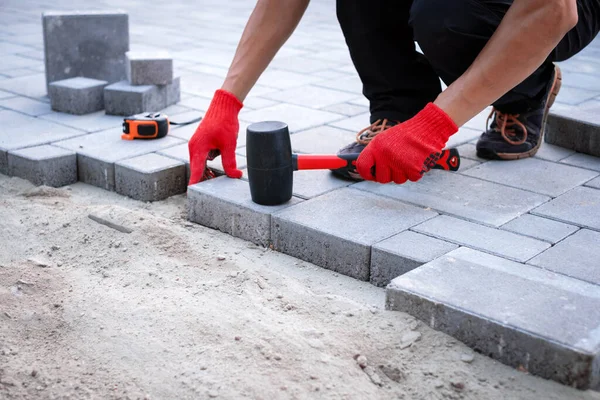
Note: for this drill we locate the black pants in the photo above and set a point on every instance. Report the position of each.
(398, 81)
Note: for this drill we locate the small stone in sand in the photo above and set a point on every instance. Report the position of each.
(467, 358)
(221, 258)
(361, 361)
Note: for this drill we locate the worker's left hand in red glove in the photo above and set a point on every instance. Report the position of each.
(407, 150)
(216, 133)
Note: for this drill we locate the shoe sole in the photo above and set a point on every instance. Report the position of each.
(550, 101)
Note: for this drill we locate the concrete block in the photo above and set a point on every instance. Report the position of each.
(180, 153)
(173, 92)
(579, 131)
(580, 206)
(225, 204)
(540, 228)
(402, 253)
(520, 315)
(336, 230)
(121, 98)
(150, 177)
(89, 44)
(583, 161)
(578, 256)
(77, 95)
(298, 118)
(462, 196)
(44, 165)
(479, 237)
(544, 177)
(144, 68)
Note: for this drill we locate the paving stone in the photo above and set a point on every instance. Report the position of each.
(490, 240)
(464, 135)
(309, 184)
(579, 131)
(311, 96)
(347, 109)
(6, 95)
(196, 103)
(583, 81)
(303, 65)
(217, 164)
(354, 124)
(580, 206)
(551, 152)
(538, 176)
(20, 72)
(150, 177)
(225, 204)
(121, 98)
(595, 183)
(93, 122)
(77, 95)
(466, 164)
(98, 152)
(44, 165)
(469, 151)
(582, 160)
(350, 84)
(332, 236)
(256, 103)
(404, 252)
(577, 256)
(574, 96)
(279, 79)
(461, 196)
(298, 118)
(89, 44)
(26, 106)
(478, 122)
(321, 140)
(12, 61)
(540, 228)
(520, 315)
(145, 68)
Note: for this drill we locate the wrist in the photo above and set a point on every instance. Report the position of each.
(434, 122)
(224, 103)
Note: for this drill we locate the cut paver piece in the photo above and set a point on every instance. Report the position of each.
(580, 206)
(44, 165)
(144, 68)
(577, 131)
(526, 317)
(91, 44)
(542, 176)
(150, 177)
(336, 230)
(225, 204)
(122, 98)
(540, 228)
(479, 237)
(404, 252)
(462, 196)
(77, 95)
(577, 256)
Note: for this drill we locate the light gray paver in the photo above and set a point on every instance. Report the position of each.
(583, 160)
(309, 184)
(540, 228)
(93, 122)
(44, 165)
(464, 135)
(577, 130)
(311, 96)
(298, 118)
(538, 176)
(354, 124)
(347, 109)
(524, 316)
(462, 196)
(321, 140)
(577, 256)
(551, 152)
(150, 177)
(26, 106)
(595, 183)
(77, 95)
(122, 98)
(145, 68)
(336, 230)
(580, 206)
(491, 240)
(225, 204)
(404, 252)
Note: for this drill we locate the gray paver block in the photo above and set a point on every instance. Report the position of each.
(404, 252)
(336, 230)
(462, 196)
(122, 98)
(595, 183)
(144, 68)
(173, 92)
(577, 256)
(464, 135)
(321, 140)
(225, 204)
(583, 161)
(579, 131)
(311, 96)
(541, 176)
(90, 44)
(479, 237)
(580, 206)
(93, 122)
(150, 177)
(540, 228)
(77, 95)
(309, 184)
(551, 152)
(298, 118)
(26, 106)
(44, 165)
(520, 315)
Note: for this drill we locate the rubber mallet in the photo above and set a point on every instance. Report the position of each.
(271, 163)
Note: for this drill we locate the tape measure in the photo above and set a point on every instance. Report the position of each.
(148, 126)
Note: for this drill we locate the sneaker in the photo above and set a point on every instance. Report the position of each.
(515, 136)
(362, 140)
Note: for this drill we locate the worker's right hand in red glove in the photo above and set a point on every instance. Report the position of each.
(217, 132)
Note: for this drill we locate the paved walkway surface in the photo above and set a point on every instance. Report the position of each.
(502, 255)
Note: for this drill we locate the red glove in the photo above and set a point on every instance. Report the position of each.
(217, 132)
(407, 150)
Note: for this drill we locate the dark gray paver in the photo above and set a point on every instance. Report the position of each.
(540, 228)
(89, 44)
(297, 118)
(145, 68)
(576, 130)
(122, 98)
(463, 196)
(524, 316)
(77, 95)
(404, 252)
(583, 161)
(336, 230)
(479, 237)
(44, 165)
(577, 256)
(225, 204)
(580, 206)
(150, 177)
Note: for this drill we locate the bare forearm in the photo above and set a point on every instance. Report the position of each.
(270, 25)
(530, 30)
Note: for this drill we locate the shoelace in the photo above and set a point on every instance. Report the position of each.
(505, 126)
(366, 135)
